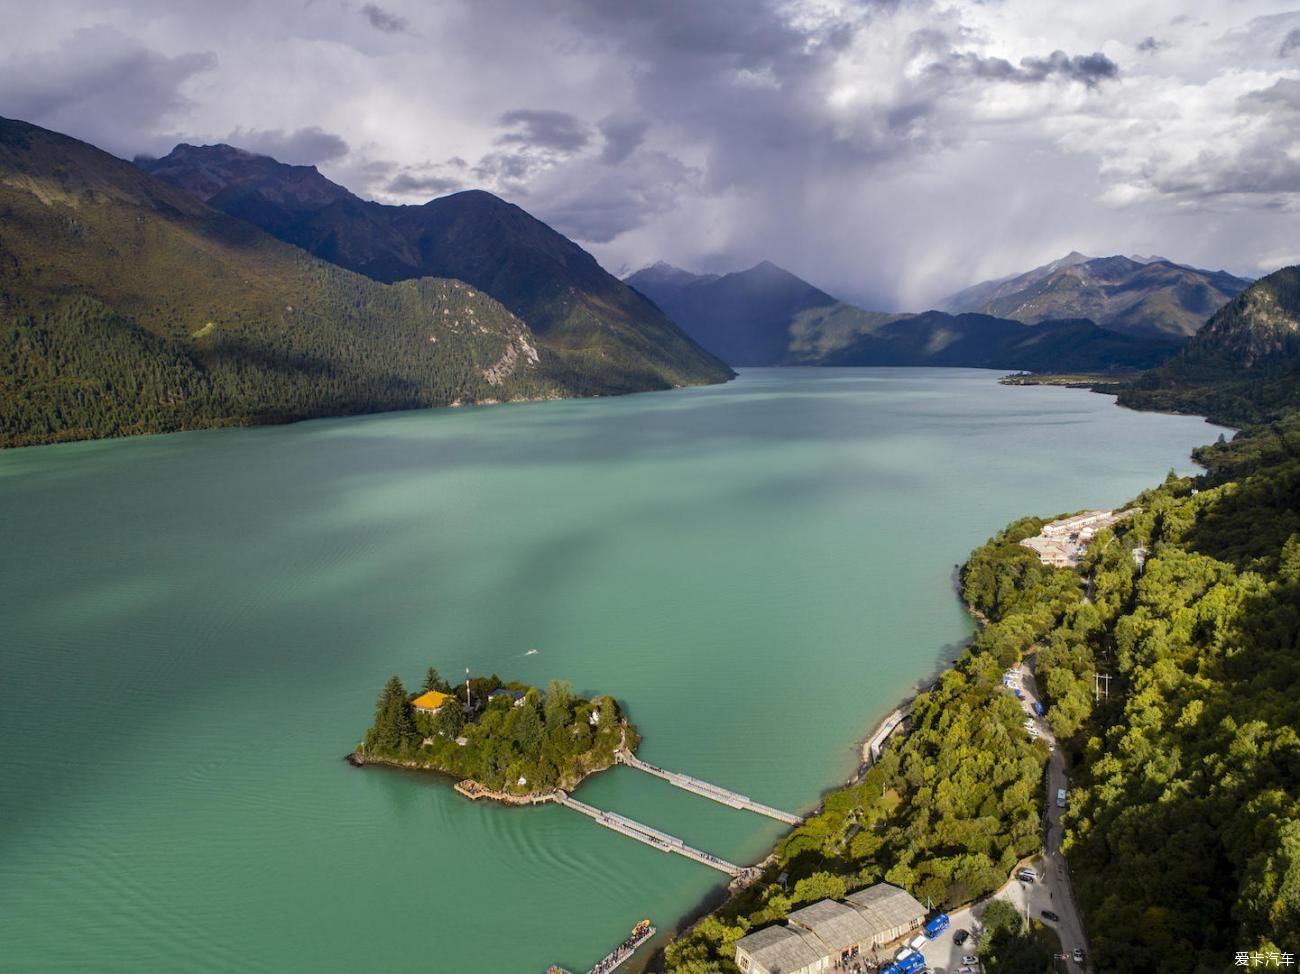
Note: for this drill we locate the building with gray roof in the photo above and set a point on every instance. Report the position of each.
(891, 912)
(780, 950)
(815, 937)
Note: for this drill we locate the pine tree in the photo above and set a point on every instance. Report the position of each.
(394, 724)
(433, 681)
(450, 719)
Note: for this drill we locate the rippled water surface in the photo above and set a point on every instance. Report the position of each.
(193, 630)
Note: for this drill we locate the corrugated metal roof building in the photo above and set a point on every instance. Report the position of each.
(892, 912)
(816, 936)
(780, 950)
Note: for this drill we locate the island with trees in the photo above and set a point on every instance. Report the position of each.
(506, 741)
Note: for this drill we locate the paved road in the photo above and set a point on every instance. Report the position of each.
(1056, 879)
(1052, 890)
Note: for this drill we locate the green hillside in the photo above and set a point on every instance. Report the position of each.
(128, 306)
(611, 337)
(1242, 367)
(1184, 826)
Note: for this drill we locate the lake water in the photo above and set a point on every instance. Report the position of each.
(195, 628)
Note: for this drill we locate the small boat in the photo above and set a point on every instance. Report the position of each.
(531, 652)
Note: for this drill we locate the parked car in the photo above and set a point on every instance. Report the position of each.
(970, 959)
(960, 937)
(1025, 875)
(1049, 915)
(1077, 955)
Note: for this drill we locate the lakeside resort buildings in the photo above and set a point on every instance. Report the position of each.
(824, 934)
(1063, 543)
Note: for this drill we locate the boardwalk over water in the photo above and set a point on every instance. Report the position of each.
(650, 836)
(706, 790)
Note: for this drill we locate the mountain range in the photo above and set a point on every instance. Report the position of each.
(131, 306)
(1134, 295)
(768, 316)
(616, 340)
(216, 287)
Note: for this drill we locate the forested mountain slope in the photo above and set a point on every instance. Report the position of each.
(1242, 367)
(617, 339)
(129, 306)
(1184, 826)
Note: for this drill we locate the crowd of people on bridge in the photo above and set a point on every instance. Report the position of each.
(640, 933)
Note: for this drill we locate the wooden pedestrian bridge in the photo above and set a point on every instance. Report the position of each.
(662, 840)
(706, 790)
(650, 836)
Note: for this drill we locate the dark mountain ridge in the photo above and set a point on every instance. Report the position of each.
(1134, 295)
(768, 316)
(558, 289)
(743, 317)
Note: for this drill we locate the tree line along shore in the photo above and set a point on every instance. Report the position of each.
(1183, 831)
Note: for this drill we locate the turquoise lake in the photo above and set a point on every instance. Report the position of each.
(194, 629)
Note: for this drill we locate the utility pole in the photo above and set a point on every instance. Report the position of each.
(1100, 690)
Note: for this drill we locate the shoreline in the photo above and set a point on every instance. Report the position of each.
(714, 902)
(473, 790)
(721, 895)
(357, 760)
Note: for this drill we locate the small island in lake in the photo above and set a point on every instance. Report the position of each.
(505, 741)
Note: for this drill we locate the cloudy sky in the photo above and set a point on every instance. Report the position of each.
(889, 151)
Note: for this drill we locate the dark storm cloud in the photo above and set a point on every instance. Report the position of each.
(301, 147)
(1087, 69)
(431, 185)
(733, 33)
(1283, 94)
(543, 129)
(381, 20)
(509, 169)
(100, 85)
(841, 136)
(623, 135)
(603, 202)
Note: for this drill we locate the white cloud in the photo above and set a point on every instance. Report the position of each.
(890, 152)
